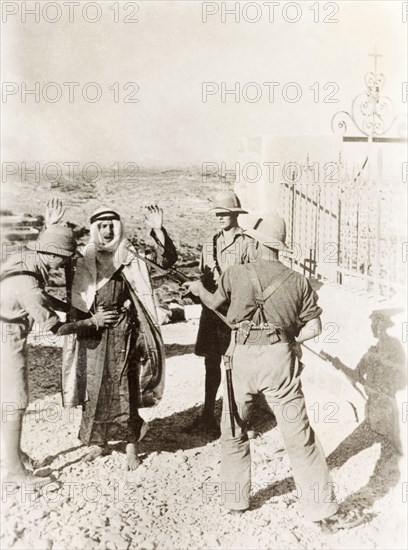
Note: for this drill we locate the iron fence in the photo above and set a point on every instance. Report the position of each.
(351, 233)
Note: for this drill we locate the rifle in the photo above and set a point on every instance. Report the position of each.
(230, 390)
(69, 277)
(177, 277)
(180, 278)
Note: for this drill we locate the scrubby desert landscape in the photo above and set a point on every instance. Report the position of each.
(173, 499)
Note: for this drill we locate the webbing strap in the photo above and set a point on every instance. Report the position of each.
(273, 287)
(6, 275)
(261, 296)
(215, 254)
(256, 285)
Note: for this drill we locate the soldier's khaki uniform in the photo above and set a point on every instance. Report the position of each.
(23, 302)
(216, 257)
(274, 370)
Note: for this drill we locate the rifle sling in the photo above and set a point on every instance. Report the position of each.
(215, 254)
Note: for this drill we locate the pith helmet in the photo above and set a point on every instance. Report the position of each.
(270, 230)
(227, 201)
(56, 239)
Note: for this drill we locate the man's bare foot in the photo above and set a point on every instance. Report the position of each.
(94, 452)
(133, 461)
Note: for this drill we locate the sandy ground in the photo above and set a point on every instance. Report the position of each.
(173, 500)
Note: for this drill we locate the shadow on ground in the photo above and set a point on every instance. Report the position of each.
(386, 471)
(173, 350)
(165, 434)
(382, 372)
(384, 477)
(44, 367)
(169, 435)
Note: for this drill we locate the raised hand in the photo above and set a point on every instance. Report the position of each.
(54, 212)
(154, 217)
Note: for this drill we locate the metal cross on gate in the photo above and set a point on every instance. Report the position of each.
(372, 113)
(375, 55)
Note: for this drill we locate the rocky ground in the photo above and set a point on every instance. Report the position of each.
(173, 500)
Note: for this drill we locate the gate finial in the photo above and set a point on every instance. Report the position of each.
(372, 113)
(375, 55)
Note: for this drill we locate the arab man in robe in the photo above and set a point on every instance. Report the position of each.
(113, 372)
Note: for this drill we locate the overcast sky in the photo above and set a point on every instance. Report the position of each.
(169, 53)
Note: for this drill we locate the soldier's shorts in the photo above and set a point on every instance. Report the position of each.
(213, 336)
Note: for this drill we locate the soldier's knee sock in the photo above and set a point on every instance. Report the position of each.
(11, 442)
(212, 383)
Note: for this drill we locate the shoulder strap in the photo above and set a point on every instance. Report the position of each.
(8, 274)
(215, 258)
(261, 296)
(256, 285)
(273, 287)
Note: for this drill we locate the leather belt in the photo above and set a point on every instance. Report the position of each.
(265, 334)
(17, 321)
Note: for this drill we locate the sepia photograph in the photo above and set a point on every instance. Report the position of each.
(203, 274)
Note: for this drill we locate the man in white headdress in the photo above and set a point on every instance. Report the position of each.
(117, 370)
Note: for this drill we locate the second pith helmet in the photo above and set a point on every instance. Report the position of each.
(227, 201)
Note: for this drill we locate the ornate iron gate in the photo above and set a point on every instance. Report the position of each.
(351, 232)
